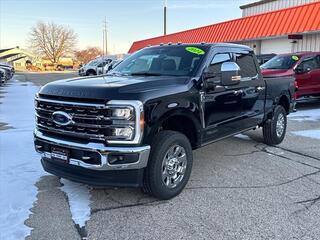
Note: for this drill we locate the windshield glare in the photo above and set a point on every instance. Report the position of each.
(281, 62)
(167, 60)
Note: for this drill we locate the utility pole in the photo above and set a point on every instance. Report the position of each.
(103, 40)
(105, 37)
(165, 18)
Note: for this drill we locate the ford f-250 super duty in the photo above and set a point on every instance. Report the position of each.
(137, 125)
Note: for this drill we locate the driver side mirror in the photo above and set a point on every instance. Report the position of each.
(230, 74)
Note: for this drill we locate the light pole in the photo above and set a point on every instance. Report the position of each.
(165, 18)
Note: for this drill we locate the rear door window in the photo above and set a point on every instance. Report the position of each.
(248, 68)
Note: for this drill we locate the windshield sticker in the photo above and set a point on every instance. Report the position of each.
(195, 50)
(294, 57)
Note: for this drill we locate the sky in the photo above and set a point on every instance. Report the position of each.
(128, 20)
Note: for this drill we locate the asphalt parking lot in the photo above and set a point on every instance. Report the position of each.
(240, 188)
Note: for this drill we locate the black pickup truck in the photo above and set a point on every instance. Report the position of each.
(137, 125)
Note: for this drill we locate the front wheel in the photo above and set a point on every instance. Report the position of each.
(169, 165)
(274, 129)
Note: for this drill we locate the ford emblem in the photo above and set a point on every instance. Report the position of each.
(61, 118)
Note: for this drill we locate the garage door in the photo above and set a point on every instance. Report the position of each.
(276, 46)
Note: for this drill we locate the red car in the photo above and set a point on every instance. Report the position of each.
(304, 66)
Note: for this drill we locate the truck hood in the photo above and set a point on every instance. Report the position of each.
(116, 88)
(277, 72)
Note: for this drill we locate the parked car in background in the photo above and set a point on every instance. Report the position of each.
(263, 58)
(96, 66)
(303, 66)
(61, 67)
(2, 76)
(111, 66)
(8, 69)
(137, 125)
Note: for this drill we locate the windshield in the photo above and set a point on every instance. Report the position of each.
(281, 62)
(166, 60)
(94, 62)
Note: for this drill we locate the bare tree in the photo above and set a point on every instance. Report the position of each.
(52, 41)
(84, 56)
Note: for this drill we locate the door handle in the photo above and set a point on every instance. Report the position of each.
(259, 89)
(237, 92)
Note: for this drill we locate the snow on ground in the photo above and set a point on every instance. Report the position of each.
(20, 167)
(305, 115)
(314, 133)
(79, 200)
(242, 136)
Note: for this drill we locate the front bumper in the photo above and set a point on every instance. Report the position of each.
(94, 173)
(81, 73)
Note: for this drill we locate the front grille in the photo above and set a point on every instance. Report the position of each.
(90, 121)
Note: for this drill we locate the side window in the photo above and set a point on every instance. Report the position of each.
(218, 59)
(247, 65)
(318, 60)
(309, 63)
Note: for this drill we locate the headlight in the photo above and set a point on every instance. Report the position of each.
(127, 118)
(123, 113)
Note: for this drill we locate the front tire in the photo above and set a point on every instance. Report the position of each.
(170, 165)
(91, 73)
(274, 129)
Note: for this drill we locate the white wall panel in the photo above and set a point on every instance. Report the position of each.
(310, 42)
(274, 5)
(277, 45)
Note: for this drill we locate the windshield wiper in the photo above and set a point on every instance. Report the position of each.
(145, 74)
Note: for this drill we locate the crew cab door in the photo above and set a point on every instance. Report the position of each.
(254, 88)
(231, 109)
(308, 75)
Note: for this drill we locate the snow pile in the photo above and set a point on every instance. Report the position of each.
(314, 133)
(305, 115)
(20, 166)
(79, 200)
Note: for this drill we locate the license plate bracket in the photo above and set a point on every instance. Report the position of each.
(60, 154)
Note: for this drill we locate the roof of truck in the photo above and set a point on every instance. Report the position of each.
(301, 54)
(225, 45)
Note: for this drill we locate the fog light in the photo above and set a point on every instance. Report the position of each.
(115, 159)
(125, 132)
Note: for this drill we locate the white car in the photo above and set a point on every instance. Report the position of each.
(111, 65)
(95, 67)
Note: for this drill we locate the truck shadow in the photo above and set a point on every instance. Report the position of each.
(308, 103)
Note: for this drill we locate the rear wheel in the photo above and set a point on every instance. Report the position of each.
(274, 129)
(169, 166)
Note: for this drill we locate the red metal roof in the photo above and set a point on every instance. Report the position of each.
(298, 19)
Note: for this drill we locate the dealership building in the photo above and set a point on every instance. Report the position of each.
(267, 26)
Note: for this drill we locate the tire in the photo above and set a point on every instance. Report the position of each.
(162, 178)
(91, 73)
(274, 129)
